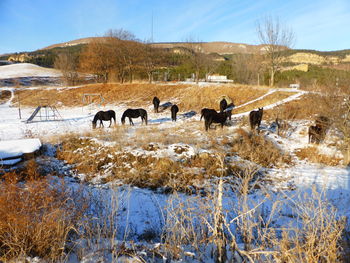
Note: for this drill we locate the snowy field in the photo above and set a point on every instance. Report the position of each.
(141, 209)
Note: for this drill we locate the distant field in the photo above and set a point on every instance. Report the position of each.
(188, 97)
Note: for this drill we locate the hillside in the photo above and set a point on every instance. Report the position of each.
(75, 42)
(216, 47)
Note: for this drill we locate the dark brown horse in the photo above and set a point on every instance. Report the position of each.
(206, 111)
(226, 107)
(215, 117)
(156, 102)
(134, 113)
(103, 116)
(174, 110)
(255, 118)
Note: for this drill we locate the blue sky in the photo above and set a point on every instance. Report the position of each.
(27, 25)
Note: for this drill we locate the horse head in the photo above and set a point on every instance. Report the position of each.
(94, 124)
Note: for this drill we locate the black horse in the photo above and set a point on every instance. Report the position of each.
(134, 113)
(223, 105)
(255, 118)
(174, 110)
(214, 117)
(206, 111)
(103, 116)
(315, 134)
(156, 102)
(226, 107)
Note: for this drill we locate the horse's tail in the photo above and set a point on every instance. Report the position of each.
(123, 118)
(202, 114)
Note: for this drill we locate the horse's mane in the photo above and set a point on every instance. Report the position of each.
(96, 117)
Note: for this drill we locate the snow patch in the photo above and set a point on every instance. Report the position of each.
(15, 148)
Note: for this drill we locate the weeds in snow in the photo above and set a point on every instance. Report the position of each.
(38, 216)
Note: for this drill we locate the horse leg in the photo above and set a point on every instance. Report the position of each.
(131, 122)
(101, 123)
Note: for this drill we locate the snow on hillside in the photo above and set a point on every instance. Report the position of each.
(22, 70)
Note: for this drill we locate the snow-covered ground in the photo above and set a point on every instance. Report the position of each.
(24, 70)
(141, 210)
(13, 150)
(303, 174)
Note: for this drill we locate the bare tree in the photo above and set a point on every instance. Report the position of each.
(67, 64)
(246, 67)
(275, 37)
(97, 58)
(197, 58)
(127, 50)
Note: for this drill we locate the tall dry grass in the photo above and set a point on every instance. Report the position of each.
(259, 150)
(37, 215)
(320, 237)
(312, 154)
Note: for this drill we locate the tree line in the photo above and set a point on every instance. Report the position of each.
(120, 57)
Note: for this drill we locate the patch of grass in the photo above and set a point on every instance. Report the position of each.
(313, 155)
(5, 95)
(146, 170)
(270, 99)
(259, 150)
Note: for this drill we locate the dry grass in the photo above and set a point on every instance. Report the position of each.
(140, 169)
(197, 98)
(306, 107)
(5, 95)
(259, 150)
(37, 216)
(313, 155)
(319, 238)
(270, 99)
(190, 97)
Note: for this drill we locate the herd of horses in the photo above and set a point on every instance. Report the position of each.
(316, 133)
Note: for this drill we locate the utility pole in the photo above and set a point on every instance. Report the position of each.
(152, 28)
(19, 106)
